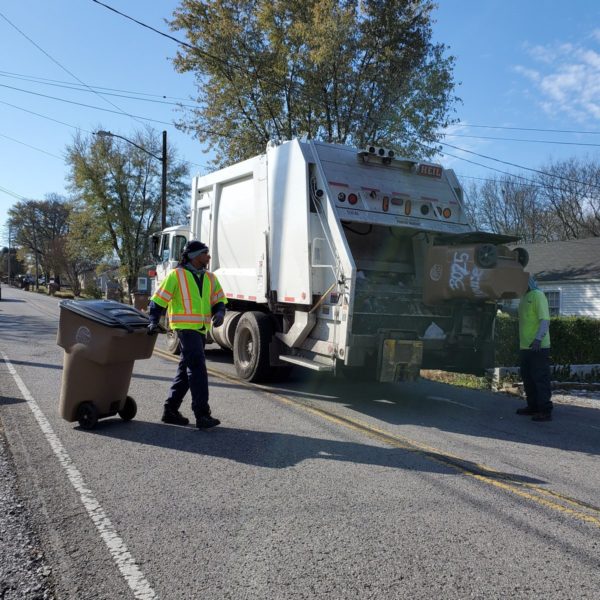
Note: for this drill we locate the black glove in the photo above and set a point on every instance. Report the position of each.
(217, 319)
(536, 345)
(153, 329)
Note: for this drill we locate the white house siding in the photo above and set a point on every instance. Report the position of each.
(576, 299)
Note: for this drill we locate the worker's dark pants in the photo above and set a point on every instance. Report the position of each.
(535, 371)
(191, 374)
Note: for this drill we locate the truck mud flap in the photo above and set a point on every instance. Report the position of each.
(399, 360)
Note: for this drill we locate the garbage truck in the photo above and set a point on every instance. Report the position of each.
(355, 261)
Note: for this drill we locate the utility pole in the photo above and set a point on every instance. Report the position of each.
(8, 260)
(163, 162)
(163, 194)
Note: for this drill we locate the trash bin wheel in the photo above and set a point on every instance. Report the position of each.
(87, 415)
(129, 409)
(486, 256)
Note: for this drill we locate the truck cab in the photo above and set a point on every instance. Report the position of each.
(166, 247)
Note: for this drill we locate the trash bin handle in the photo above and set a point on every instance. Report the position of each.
(128, 327)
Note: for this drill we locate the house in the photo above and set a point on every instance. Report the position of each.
(569, 274)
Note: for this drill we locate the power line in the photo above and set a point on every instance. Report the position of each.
(96, 87)
(44, 116)
(156, 30)
(76, 127)
(77, 88)
(13, 194)
(229, 65)
(82, 104)
(505, 162)
(528, 129)
(485, 137)
(207, 131)
(30, 146)
(64, 68)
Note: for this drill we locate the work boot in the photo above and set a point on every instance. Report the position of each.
(542, 416)
(206, 422)
(174, 417)
(526, 411)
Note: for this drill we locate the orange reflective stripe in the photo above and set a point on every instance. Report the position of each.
(163, 294)
(216, 297)
(212, 284)
(189, 319)
(184, 289)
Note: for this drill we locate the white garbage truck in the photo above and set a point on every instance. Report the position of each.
(353, 261)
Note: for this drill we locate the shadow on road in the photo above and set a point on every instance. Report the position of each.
(275, 450)
(28, 363)
(443, 407)
(25, 329)
(6, 400)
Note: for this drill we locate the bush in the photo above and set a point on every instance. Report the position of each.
(92, 292)
(574, 341)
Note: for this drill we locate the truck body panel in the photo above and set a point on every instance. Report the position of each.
(360, 259)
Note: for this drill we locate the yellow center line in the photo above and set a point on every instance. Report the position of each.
(480, 472)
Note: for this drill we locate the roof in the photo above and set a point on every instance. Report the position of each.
(572, 260)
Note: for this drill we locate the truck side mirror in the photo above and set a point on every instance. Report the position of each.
(154, 245)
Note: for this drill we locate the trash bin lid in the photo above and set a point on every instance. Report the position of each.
(108, 312)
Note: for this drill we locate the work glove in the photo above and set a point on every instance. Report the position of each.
(536, 345)
(153, 329)
(217, 319)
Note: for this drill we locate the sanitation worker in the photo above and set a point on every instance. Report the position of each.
(534, 341)
(195, 302)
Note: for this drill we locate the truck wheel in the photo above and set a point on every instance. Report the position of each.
(129, 409)
(486, 256)
(251, 346)
(87, 415)
(171, 339)
(172, 343)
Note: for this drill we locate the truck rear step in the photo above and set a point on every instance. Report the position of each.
(307, 363)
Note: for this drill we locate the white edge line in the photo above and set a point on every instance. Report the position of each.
(451, 402)
(119, 552)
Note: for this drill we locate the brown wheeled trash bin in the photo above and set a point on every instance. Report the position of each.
(102, 339)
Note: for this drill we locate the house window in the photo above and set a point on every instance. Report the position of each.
(553, 298)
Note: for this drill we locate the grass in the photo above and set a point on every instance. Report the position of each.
(457, 379)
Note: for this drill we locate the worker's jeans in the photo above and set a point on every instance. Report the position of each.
(535, 371)
(191, 374)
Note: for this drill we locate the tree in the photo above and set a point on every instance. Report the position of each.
(513, 206)
(9, 266)
(84, 246)
(119, 184)
(572, 189)
(343, 71)
(38, 227)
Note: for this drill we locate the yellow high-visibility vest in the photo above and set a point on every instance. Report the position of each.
(186, 308)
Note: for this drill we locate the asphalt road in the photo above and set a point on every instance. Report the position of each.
(316, 488)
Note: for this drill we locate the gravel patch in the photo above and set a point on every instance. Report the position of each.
(24, 572)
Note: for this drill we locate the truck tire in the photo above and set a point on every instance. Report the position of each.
(251, 346)
(172, 344)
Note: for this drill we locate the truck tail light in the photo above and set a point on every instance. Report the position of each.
(352, 198)
(385, 204)
(447, 213)
(407, 207)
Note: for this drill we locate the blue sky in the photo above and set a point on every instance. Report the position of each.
(522, 64)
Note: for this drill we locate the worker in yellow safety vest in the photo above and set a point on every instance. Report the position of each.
(195, 302)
